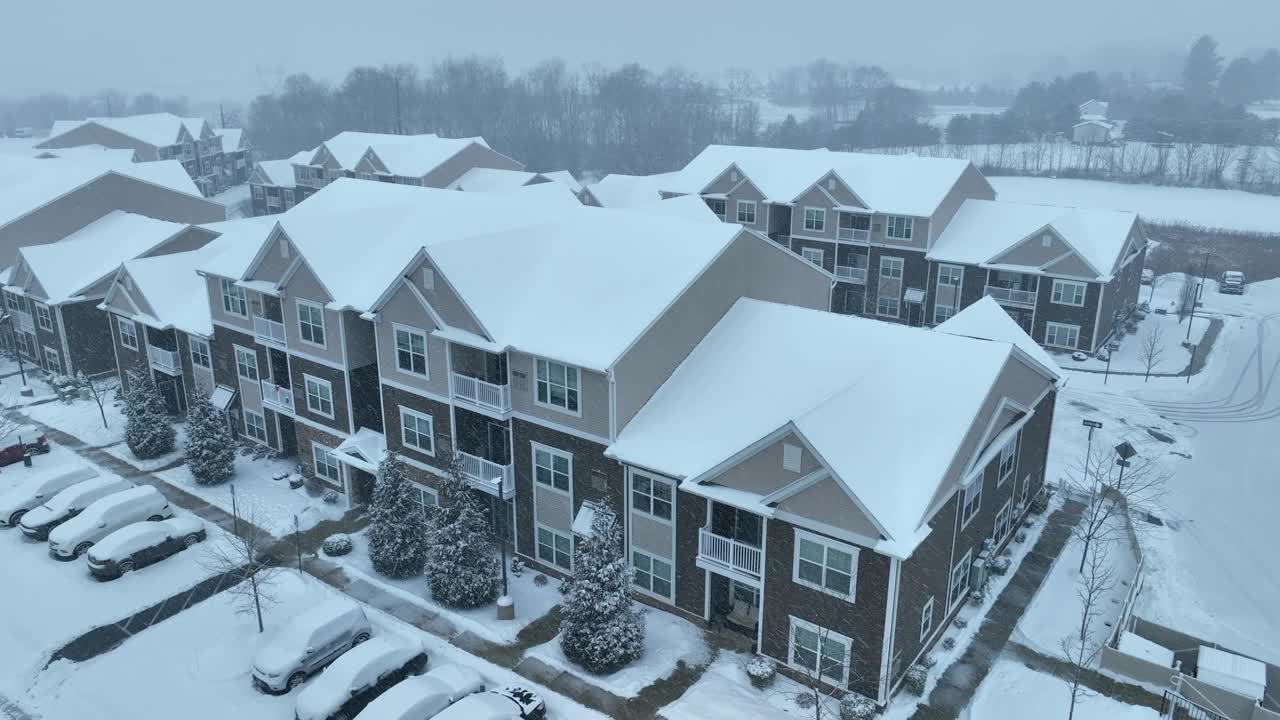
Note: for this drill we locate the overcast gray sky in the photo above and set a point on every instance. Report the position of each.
(237, 48)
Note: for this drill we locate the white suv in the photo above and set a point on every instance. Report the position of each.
(308, 643)
(73, 538)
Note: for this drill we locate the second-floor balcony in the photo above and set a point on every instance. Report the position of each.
(724, 555)
(1012, 296)
(276, 397)
(850, 234)
(269, 331)
(487, 395)
(848, 273)
(166, 361)
(488, 476)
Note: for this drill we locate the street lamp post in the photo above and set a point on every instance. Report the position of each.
(1199, 292)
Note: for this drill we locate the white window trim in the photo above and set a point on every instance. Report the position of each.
(235, 353)
(548, 404)
(324, 330)
(192, 343)
(896, 303)
(51, 357)
(431, 435)
(821, 217)
(554, 532)
(1012, 448)
(826, 543)
(745, 205)
(1059, 291)
(652, 482)
(964, 501)
(671, 581)
(951, 580)
(891, 262)
(306, 391)
(423, 493)
(44, 318)
(231, 290)
(397, 328)
(315, 461)
(908, 227)
(244, 419)
(1007, 510)
(814, 255)
(927, 611)
(1058, 328)
(121, 324)
(533, 459)
(822, 633)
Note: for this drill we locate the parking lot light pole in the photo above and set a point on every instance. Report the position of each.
(1204, 271)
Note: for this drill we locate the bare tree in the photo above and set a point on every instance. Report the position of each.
(1151, 348)
(1114, 490)
(1187, 295)
(246, 555)
(1081, 649)
(98, 389)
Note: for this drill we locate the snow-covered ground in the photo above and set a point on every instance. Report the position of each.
(236, 199)
(942, 114)
(531, 601)
(668, 640)
(1015, 692)
(1170, 354)
(724, 692)
(771, 113)
(81, 419)
(270, 503)
(1227, 209)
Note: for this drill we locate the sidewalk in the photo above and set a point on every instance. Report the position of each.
(957, 685)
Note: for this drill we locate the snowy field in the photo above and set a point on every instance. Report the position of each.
(1226, 209)
(942, 114)
(531, 601)
(1014, 692)
(724, 692)
(271, 504)
(1169, 354)
(668, 639)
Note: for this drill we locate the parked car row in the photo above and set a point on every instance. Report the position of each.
(363, 677)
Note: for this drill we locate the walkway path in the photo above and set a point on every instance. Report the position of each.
(1092, 679)
(957, 685)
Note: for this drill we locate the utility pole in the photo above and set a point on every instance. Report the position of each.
(1199, 291)
(222, 117)
(399, 123)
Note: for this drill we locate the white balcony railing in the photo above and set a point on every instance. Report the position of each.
(853, 234)
(24, 321)
(279, 398)
(1009, 295)
(729, 554)
(484, 475)
(166, 361)
(482, 393)
(852, 274)
(269, 331)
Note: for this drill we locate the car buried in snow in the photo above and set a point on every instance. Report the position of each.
(142, 544)
(358, 677)
(509, 703)
(307, 644)
(70, 502)
(73, 538)
(425, 696)
(39, 487)
(20, 442)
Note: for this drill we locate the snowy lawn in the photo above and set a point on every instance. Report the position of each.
(122, 452)
(1170, 355)
(724, 692)
(667, 640)
(11, 387)
(81, 420)
(12, 475)
(271, 504)
(531, 601)
(1013, 692)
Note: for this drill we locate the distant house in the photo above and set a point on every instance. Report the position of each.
(273, 187)
(1099, 109)
(1093, 132)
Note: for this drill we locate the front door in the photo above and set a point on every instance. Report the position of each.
(171, 392)
(361, 486)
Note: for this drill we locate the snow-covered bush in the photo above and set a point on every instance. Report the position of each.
(928, 661)
(948, 643)
(805, 700)
(962, 623)
(917, 676)
(517, 566)
(1039, 503)
(1000, 565)
(461, 565)
(147, 430)
(1020, 537)
(540, 580)
(762, 672)
(330, 496)
(210, 451)
(977, 595)
(856, 707)
(397, 530)
(336, 545)
(601, 628)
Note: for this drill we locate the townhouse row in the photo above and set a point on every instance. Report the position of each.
(914, 240)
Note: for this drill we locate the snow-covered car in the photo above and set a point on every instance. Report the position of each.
(1232, 283)
(421, 697)
(308, 643)
(20, 441)
(1148, 276)
(509, 703)
(356, 678)
(38, 487)
(142, 543)
(70, 502)
(74, 537)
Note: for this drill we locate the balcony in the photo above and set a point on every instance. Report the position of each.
(166, 361)
(729, 557)
(484, 475)
(277, 398)
(23, 321)
(849, 234)
(851, 274)
(269, 332)
(1025, 298)
(481, 393)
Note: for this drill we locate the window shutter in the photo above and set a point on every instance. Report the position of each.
(791, 457)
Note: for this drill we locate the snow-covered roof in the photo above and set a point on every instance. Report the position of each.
(620, 191)
(492, 180)
(94, 154)
(987, 320)
(66, 268)
(1094, 120)
(29, 184)
(169, 284)
(277, 172)
(564, 177)
(364, 449)
(981, 230)
(158, 129)
(690, 207)
(1137, 646)
(349, 146)
(406, 155)
(1237, 673)
(231, 138)
(238, 243)
(852, 389)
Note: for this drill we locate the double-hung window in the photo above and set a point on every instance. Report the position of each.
(959, 581)
(651, 496)
(425, 498)
(557, 385)
(1009, 457)
(257, 191)
(319, 395)
(552, 468)
(311, 323)
(818, 651)
(926, 619)
(417, 431)
(898, 227)
(1061, 335)
(200, 356)
(43, 318)
(555, 547)
(1066, 292)
(891, 268)
(972, 501)
(825, 565)
(651, 574)
(233, 299)
(52, 362)
(246, 364)
(128, 333)
(411, 351)
(813, 255)
(326, 464)
(1003, 521)
(255, 426)
(815, 219)
(747, 212)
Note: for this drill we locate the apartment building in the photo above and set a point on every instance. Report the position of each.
(53, 291)
(873, 222)
(159, 136)
(237, 156)
(273, 187)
